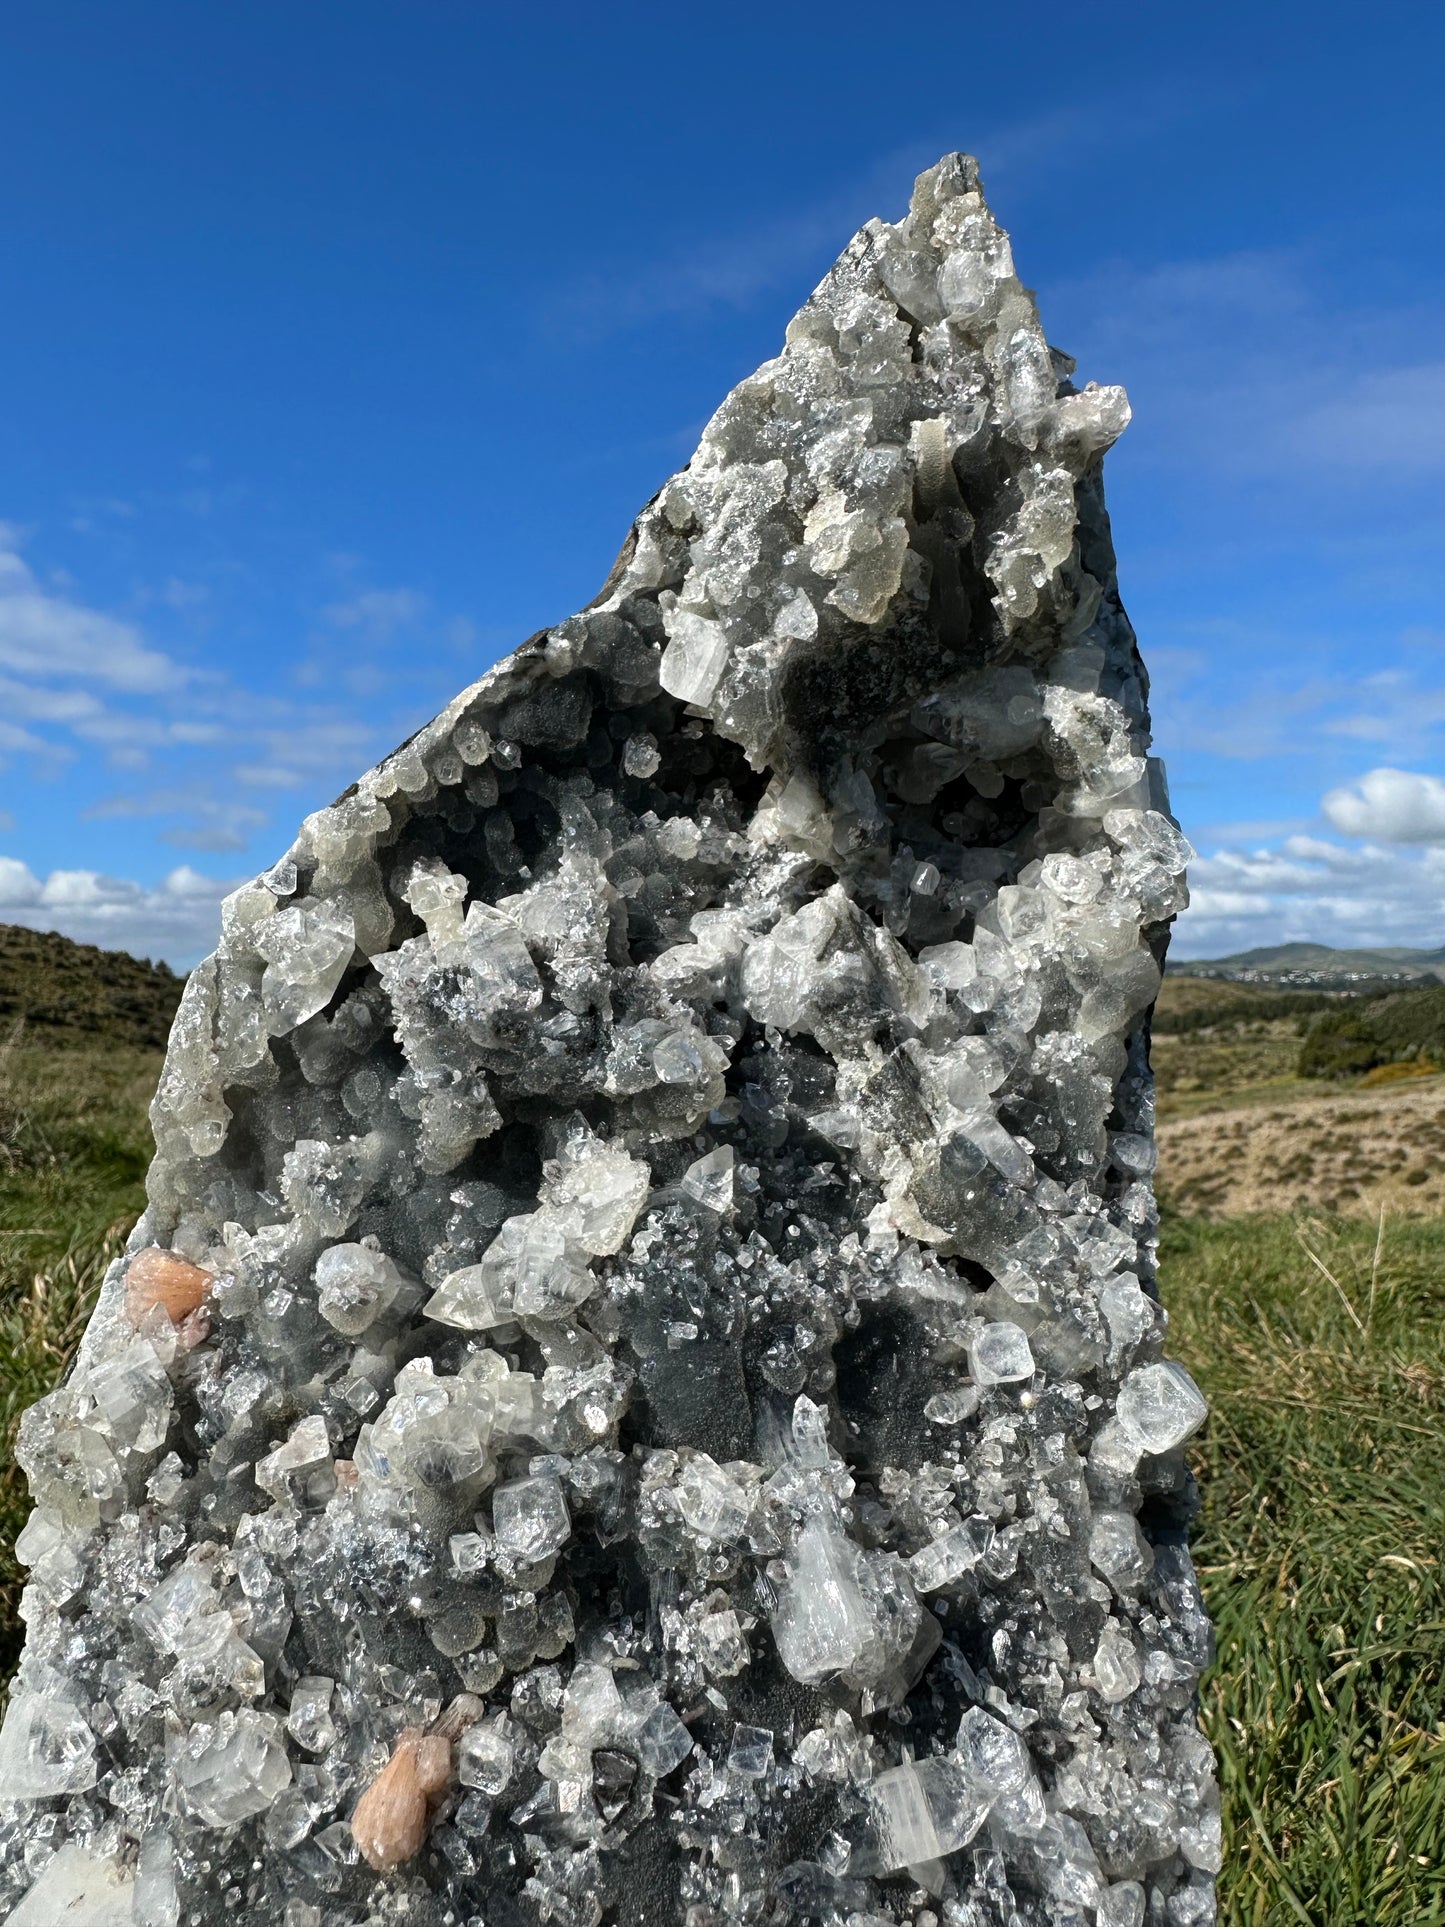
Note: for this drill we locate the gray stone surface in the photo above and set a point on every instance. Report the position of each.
(669, 1400)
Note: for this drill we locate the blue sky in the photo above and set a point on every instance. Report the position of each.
(343, 342)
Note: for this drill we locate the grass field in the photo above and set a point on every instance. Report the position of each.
(1317, 1338)
(74, 1145)
(1319, 1546)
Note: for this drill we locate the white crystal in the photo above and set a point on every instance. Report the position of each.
(133, 1392)
(301, 1467)
(1117, 1671)
(640, 756)
(662, 1741)
(750, 1754)
(1119, 1550)
(485, 1758)
(156, 1902)
(808, 1433)
(354, 1285)
(954, 1406)
(307, 947)
(309, 1720)
(992, 1754)
(596, 1196)
(1160, 1407)
(951, 1554)
(474, 1298)
(695, 657)
(922, 1812)
(530, 1518)
(500, 960)
(1201, 1841)
(1128, 1313)
(710, 1179)
(1121, 1905)
(712, 1502)
(78, 1889)
(1001, 1355)
(46, 1746)
(821, 1622)
(1067, 1862)
(233, 1770)
(722, 1643)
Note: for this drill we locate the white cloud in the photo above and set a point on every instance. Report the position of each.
(638, 282)
(178, 919)
(266, 776)
(15, 740)
(71, 707)
(18, 882)
(1313, 890)
(50, 637)
(1395, 805)
(207, 822)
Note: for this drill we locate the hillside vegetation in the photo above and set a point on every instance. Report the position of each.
(1353, 1039)
(66, 992)
(1214, 1039)
(1315, 1333)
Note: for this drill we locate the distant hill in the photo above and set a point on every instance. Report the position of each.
(1317, 966)
(72, 992)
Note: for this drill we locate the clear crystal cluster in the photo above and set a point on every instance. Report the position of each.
(640, 1384)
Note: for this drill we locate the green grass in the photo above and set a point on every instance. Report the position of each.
(74, 1145)
(1202, 1070)
(1319, 1547)
(1323, 1474)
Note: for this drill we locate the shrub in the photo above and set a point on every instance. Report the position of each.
(1359, 1038)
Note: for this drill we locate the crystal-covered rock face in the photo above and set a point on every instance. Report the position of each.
(641, 1379)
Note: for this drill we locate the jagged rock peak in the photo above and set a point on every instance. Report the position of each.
(639, 1395)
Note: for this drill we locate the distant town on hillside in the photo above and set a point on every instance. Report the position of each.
(1317, 966)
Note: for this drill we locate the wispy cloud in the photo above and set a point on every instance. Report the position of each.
(378, 615)
(733, 270)
(202, 820)
(1326, 894)
(1392, 418)
(197, 755)
(1262, 363)
(1279, 707)
(47, 637)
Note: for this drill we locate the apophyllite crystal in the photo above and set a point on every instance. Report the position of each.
(639, 1393)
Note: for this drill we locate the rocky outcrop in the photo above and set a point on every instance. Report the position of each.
(639, 1395)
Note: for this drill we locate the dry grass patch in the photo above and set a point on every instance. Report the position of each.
(1346, 1153)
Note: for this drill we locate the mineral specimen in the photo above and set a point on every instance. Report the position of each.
(639, 1394)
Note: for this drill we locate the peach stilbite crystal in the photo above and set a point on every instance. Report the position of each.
(390, 1821)
(157, 1277)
